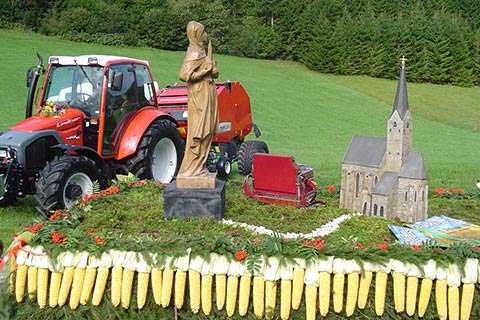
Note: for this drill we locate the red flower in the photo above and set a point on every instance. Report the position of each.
(439, 191)
(360, 246)
(90, 232)
(331, 189)
(99, 240)
(456, 190)
(415, 247)
(57, 237)
(86, 197)
(240, 255)
(383, 246)
(34, 227)
(319, 243)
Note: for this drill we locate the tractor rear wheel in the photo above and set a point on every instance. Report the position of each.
(159, 153)
(6, 200)
(246, 152)
(63, 181)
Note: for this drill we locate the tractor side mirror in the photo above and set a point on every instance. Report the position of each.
(117, 81)
(30, 75)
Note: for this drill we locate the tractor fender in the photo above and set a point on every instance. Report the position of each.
(87, 152)
(137, 127)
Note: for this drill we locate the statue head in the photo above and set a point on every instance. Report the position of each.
(196, 33)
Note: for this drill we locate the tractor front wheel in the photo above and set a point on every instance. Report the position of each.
(63, 181)
(246, 152)
(159, 153)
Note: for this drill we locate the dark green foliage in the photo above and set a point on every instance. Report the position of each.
(439, 38)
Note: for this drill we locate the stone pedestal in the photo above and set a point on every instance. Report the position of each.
(194, 202)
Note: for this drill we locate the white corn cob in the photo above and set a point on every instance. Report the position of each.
(206, 286)
(244, 294)
(143, 278)
(32, 274)
(21, 282)
(398, 275)
(364, 286)
(42, 291)
(181, 265)
(67, 277)
(297, 287)
(88, 284)
(156, 278)
(325, 269)
(194, 283)
(429, 274)
(441, 293)
(78, 279)
(118, 257)
(103, 266)
(311, 289)
(413, 273)
(258, 293)
(381, 278)
(468, 288)
(338, 284)
(232, 289)
(129, 266)
(454, 280)
(220, 269)
(167, 286)
(353, 270)
(272, 274)
(11, 278)
(286, 275)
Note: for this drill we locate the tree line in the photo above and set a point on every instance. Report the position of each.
(440, 38)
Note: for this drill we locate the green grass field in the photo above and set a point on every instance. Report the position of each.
(301, 113)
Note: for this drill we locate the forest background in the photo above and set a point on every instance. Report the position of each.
(440, 38)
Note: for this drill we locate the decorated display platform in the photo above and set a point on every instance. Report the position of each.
(57, 265)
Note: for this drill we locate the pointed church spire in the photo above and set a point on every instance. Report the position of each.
(401, 98)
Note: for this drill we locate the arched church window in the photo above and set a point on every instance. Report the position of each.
(415, 199)
(394, 124)
(381, 211)
(406, 195)
(376, 180)
(375, 208)
(364, 208)
(357, 184)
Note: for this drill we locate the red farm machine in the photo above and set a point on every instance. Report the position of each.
(96, 116)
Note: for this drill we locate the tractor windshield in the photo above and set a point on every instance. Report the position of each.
(77, 87)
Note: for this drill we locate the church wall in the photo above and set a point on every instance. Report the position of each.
(411, 200)
(356, 187)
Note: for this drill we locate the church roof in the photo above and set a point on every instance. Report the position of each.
(413, 166)
(386, 183)
(366, 151)
(401, 97)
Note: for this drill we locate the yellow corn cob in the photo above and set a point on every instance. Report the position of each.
(100, 284)
(42, 285)
(88, 284)
(244, 295)
(157, 285)
(32, 275)
(258, 296)
(116, 285)
(12, 275)
(77, 285)
(380, 291)
(167, 286)
(232, 291)
(468, 292)
(399, 291)
(324, 280)
(310, 302)
(206, 298)
(352, 293)
(127, 284)
(424, 296)
(180, 280)
(412, 288)
(55, 283)
(270, 297)
(142, 288)
(220, 290)
(441, 298)
(194, 289)
(66, 285)
(453, 303)
(21, 282)
(338, 284)
(297, 287)
(364, 288)
(285, 298)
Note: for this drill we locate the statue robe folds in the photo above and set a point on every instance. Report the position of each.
(198, 70)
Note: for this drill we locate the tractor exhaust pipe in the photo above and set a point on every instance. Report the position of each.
(33, 73)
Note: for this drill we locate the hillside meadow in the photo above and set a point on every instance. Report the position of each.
(308, 115)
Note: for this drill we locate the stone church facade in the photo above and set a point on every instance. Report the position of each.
(382, 176)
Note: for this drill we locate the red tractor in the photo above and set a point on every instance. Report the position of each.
(97, 116)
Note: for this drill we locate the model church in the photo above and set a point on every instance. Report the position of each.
(384, 177)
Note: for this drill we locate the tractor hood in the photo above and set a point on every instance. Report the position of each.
(69, 119)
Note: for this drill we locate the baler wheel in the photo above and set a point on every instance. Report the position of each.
(246, 152)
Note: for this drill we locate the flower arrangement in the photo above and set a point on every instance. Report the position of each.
(50, 108)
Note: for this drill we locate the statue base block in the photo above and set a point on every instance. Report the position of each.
(194, 202)
(197, 182)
